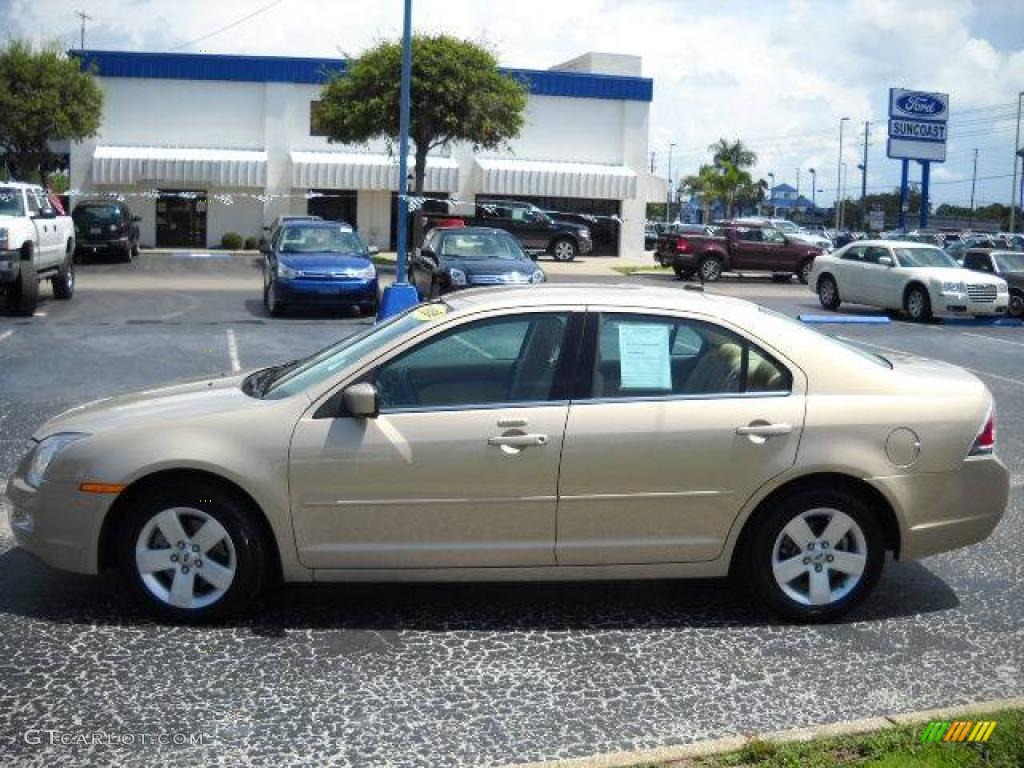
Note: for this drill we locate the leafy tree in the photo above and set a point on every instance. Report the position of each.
(44, 96)
(457, 95)
(734, 152)
(706, 186)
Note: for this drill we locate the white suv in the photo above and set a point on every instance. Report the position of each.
(915, 278)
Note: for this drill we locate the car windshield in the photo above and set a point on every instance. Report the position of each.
(299, 239)
(96, 214)
(787, 226)
(480, 245)
(292, 378)
(924, 257)
(1009, 262)
(10, 202)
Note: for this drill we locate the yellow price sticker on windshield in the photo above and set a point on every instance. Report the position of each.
(430, 312)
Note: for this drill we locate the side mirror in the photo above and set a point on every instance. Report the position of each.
(428, 253)
(360, 400)
(885, 261)
(373, 250)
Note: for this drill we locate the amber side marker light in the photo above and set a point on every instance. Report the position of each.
(100, 488)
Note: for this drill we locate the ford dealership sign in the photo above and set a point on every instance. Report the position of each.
(917, 125)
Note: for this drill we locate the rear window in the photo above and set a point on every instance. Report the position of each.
(100, 214)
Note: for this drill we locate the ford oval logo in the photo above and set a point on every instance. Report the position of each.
(920, 104)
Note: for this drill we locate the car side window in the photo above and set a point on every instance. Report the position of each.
(979, 262)
(854, 254)
(774, 236)
(652, 356)
(750, 235)
(33, 203)
(874, 253)
(488, 362)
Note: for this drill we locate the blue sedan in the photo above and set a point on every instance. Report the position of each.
(318, 263)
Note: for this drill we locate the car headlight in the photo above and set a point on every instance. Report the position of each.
(456, 277)
(953, 287)
(365, 273)
(1002, 288)
(45, 452)
(284, 272)
(537, 277)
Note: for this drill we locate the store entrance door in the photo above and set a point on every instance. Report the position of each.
(181, 219)
(335, 205)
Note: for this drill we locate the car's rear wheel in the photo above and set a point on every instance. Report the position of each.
(918, 305)
(815, 554)
(804, 275)
(64, 283)
(564, 249)
(828, 292)
(710, 269)
(192, 554)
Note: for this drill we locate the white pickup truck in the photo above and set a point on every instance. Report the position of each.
(35, 244)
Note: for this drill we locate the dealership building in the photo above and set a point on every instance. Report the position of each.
(201, 145)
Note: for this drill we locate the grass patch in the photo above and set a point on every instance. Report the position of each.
(640, 270)
(383, 261)
(897, 747)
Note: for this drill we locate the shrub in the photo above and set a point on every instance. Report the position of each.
(251, 244)
(232, 241)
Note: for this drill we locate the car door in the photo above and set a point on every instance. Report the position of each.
(459, 469)
(50, 243)
(676, 423)
(777, 253)
(847, 271)
(746, 251)
(882, 286)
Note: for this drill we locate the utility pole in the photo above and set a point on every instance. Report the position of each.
(653, 153)
(84, 17)
(1016, 147)
(771, 191)
(814, 186)
(798, 182)
(842, 193)
(668, 204)
(839, 174)
(974, 178)
(864, 180)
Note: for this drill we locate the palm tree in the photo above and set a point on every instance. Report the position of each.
(734, 152)
(731, 179)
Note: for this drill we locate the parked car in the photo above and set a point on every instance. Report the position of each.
(535, 230)
(1009, 265)
(36, 243)
(919, 279)
(106, 226)
(457, 257)
(735, 247)
(650, 237)
(790, 230)
(318, 263)
(706, 436)
(271, 229)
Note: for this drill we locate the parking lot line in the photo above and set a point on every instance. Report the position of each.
(978, 371)
(236, 365)
(6, 335)
(991, 338)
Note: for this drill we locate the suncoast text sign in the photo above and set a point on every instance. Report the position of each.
(917, 125)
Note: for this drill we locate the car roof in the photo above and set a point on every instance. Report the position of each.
(474, 230)
(317, 223)
(623, 295)
(890, 243)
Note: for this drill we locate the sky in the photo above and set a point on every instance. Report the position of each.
(777, 74)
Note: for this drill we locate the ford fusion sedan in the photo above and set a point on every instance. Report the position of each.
(916, 278)
(311, 262)
(456, 257)
(563, 432)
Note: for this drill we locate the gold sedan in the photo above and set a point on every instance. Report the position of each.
(561, 432)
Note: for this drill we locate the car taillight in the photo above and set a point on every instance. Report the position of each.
(985, 442)
(683, 245)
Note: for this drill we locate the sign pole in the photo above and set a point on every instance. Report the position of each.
(401, 295)
(904, 174)
(925, 179)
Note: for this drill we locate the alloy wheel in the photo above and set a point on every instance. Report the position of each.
(710, 270)
(564, 250)
(185, 558)
(819, 557)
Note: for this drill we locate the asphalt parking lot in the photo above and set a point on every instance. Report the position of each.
(432, 675)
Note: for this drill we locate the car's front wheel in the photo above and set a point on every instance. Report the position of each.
(815, 554)
(192, 554)
(275, 307)
(1016, 308)
(918, 304)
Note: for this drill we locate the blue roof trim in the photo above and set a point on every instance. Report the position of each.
(285, 69)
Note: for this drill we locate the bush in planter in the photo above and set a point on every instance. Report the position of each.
(232, 241)
(251, 244)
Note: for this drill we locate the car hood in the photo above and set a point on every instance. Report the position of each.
(562, 223)
(324, 262)
(1016, 279)
(944, 274)
(491, 266)
(162, 405)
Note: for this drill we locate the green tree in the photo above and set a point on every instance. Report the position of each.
(44, 96)
(735, 152)
(457, 95)
(705, 185)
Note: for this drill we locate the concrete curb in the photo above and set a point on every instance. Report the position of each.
(733, 743)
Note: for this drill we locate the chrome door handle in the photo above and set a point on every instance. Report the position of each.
(517, 441)
(764, 430)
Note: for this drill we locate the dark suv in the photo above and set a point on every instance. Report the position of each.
(107, 226)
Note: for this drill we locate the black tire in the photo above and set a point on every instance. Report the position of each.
(710, 269)
(134, 252)
(24, 296)
(564, 249)
(682, 273)
(828, 292)
(766, 533)
(64, 283)
(804, 273)
(917, 304)
(275, 307)
(126, 253)
(1016, 308)
(251, 551)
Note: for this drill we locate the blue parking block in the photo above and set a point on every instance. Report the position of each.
(1002, 322)
(846, 319)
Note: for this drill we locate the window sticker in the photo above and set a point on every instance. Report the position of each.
(430, 312)
(644, 357)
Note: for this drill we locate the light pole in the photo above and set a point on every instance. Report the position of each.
(814, 188)
(668, 202)
(839, 174)
(771, 191)
(842, 196)
(974, 178)
(1016, 147)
